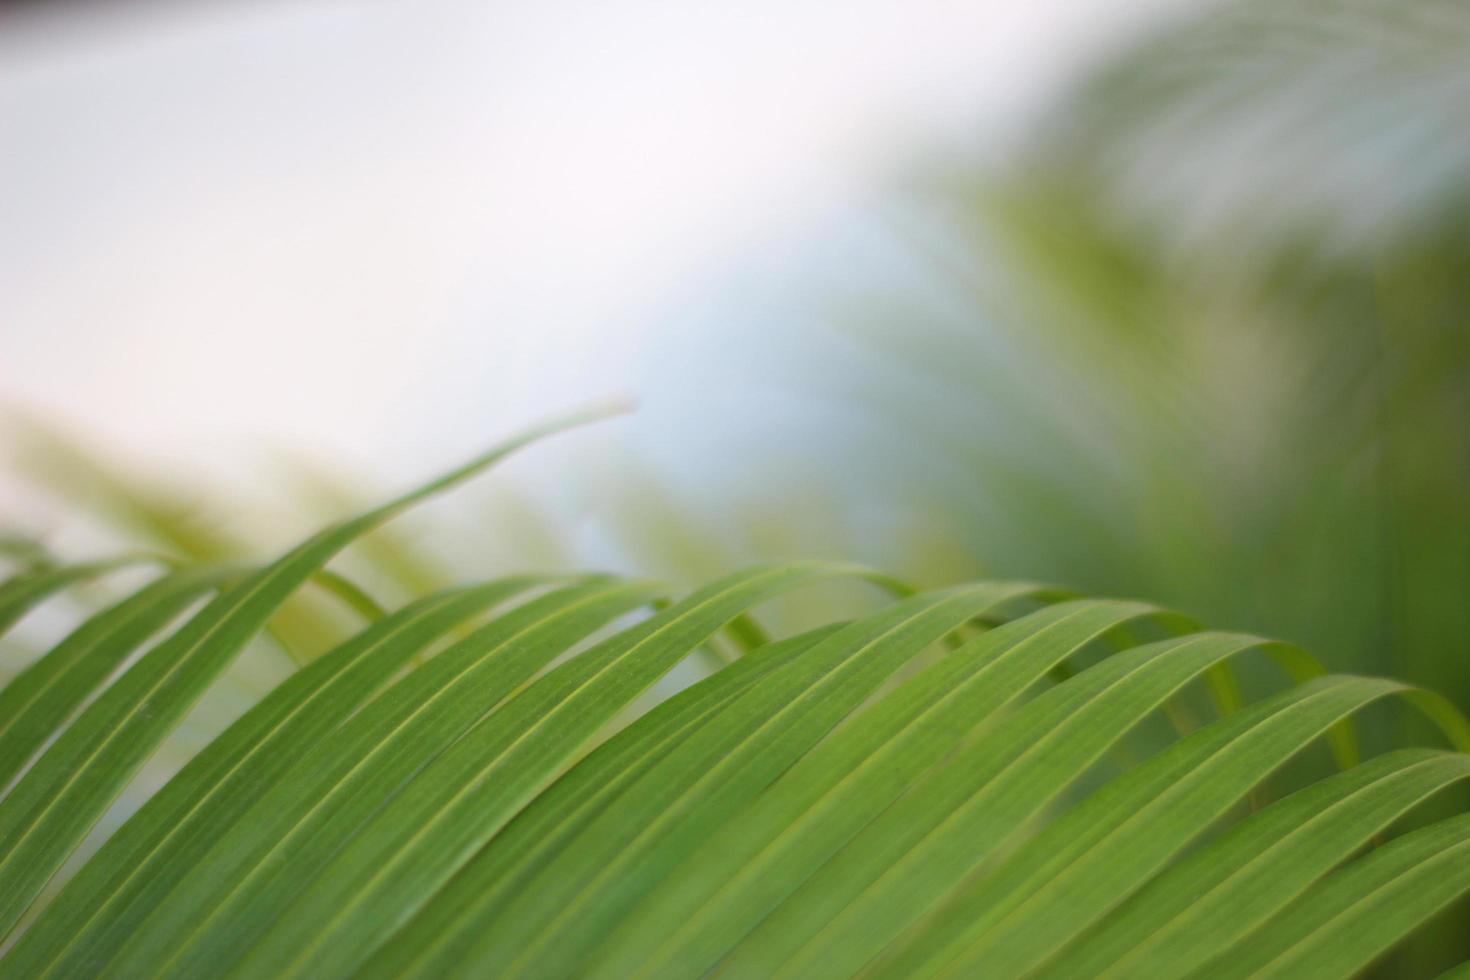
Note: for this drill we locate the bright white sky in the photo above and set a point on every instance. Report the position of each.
(385, 230)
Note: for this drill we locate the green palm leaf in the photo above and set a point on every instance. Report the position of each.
(435, 940)
(55, 686)
(46, 815)
(754, 862)
(674, 806)
(1098, 853)
(948, 785)
(98, 909)
(27, 589)
(1361, 911)
(1242, 880)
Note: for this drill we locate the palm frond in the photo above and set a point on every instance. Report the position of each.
(969, 780)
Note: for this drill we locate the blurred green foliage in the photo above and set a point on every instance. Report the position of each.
(1230, 278)
(1206, 338)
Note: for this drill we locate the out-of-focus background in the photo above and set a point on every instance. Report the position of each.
(1162, 298)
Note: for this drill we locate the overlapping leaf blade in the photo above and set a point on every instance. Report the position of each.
(293, 829)
(703, 781)
(969, 807)
(437, 939)
(1217, 896)
(27, 589)
(753, 862)
(1353, 917)
(943, 787)
(1096, 855)
(59, 799)
(99, 909)
(409, 849)
(43, 697)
